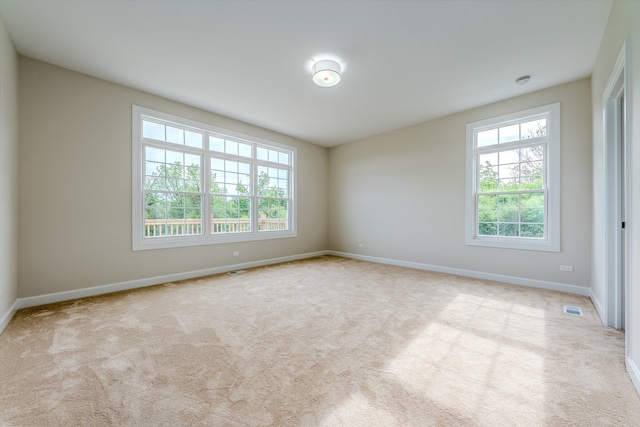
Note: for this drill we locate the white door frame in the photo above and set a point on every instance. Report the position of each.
(616, 148)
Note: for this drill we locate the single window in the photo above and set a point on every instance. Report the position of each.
(513, 180)
(194, 184)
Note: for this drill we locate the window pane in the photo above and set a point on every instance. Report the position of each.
(262, 153)
(487, 202)
(487, 229)
(217, 164)
(216, 144)
(172, 175)
(532, 215)
(509, 133)
(508, 201)
(244, 150)
(508, 184)
(508, 215)
(172, 215)
(508, 230)
(192, 159)
(487, 215)
(490, 159)
(532, 200)
(230, 214)
(487, 137)
(175, 135)
(534, 129)
(225, 178)
(531, 154)
(273, 214)
(283, 158)
(244, 167)
(155, 169)
(231, 178)
(509, 157)
(155, 205)
(510, 171)
(154, 154)
(269, 185)
(230, 166)
(532, 230)
(488, 179)
(175, 157)
(193, 139)
(231, 147)
(273, 156)
(532, 177)
(152, 130)
(192, 178)
(283, 188)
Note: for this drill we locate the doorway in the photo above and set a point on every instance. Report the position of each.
(616, 192)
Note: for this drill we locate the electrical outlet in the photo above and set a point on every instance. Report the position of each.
(360, 245)
(236, 253)
(566, 268)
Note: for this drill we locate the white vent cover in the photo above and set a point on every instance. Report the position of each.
(573, 310)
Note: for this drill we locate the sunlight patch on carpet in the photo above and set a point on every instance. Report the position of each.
(357, 410)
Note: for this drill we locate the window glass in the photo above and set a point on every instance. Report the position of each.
(509, 200)
(198, 186)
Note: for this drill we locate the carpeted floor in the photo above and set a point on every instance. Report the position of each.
(321, 342)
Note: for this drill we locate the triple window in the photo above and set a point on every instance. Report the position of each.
(513, 180)
(195, 184)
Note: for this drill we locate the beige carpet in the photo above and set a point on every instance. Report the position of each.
(321, 342)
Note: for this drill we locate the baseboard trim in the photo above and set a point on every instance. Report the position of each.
(599, 307)
(8, 315)
(151, 281)
(634, 373)
(541, 284)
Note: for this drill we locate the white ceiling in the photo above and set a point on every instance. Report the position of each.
(404, 62)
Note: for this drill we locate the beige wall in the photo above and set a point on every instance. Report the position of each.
(624, 23)
(75, 187)
(8, 172)
(402, 194)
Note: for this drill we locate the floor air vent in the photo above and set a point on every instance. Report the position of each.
(573, 310)
(237, 272)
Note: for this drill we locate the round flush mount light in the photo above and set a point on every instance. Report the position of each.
(522, 80)
(326, 73)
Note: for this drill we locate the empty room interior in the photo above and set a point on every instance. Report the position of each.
(320, 213)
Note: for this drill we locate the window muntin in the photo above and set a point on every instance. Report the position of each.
(198, 185)
(513, 177)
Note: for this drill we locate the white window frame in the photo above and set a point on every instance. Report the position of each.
(551, 178)
(139, 242)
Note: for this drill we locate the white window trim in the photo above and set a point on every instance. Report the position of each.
(137, 183)
(551, 242)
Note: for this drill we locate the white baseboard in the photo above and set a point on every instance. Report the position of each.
(599, 307)
(140, 283)
(634, 373)
(8, 315)
(133, 284)
(541, 284)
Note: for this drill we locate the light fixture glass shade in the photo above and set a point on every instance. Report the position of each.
(326, 73)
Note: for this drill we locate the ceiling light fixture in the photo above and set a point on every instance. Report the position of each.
(326, 73)
(522, 80)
